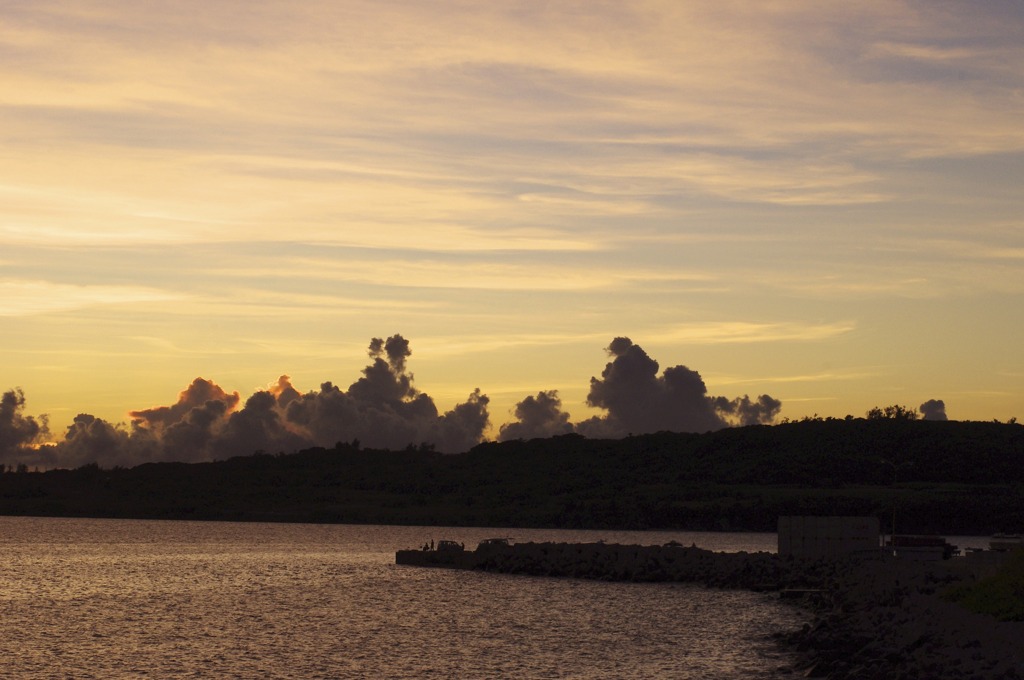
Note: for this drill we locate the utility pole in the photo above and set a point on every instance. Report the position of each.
(895, 473)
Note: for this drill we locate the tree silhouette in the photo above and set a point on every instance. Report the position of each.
(893, 412)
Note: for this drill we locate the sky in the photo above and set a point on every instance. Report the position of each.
(819, 202)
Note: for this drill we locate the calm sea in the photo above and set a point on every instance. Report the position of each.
(86, 598)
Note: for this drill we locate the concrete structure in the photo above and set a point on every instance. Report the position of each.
(827, 537)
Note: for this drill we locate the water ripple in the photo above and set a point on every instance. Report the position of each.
(115, 599)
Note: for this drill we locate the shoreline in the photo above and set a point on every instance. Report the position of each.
(874, 616)
(887, 618)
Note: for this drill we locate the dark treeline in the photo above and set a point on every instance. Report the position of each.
(945, 477)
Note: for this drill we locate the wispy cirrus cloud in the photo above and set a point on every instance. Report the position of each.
(523, 172)
(728, 332)
(460, 273)
(29, 298)
(823, 376)
(513, 87)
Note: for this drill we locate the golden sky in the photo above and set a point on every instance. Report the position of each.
(817, 201)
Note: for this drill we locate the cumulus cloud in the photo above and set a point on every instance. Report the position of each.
(639, 400)
(760, 411)
(196, 395)
(381, 409)
(463, 426)
(259, 426)
(284, 392)
(933, 409)
(93, 440)
(193, 437)
(537, 417)
(18, 432)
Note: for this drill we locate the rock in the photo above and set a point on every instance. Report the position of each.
(875, 617)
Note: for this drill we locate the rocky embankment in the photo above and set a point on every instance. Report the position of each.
(609, 562)
(874, 617)
(886, 618)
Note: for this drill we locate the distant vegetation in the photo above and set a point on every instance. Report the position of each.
(1000, 595)
(941, 476)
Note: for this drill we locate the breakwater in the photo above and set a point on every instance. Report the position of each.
(872, 616)
(611, 562)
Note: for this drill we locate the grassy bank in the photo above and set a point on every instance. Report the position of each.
(1000, 595)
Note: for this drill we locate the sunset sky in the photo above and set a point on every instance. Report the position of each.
(823, 202)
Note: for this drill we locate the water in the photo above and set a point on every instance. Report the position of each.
(145, 599)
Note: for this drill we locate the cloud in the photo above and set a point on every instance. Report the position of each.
(445, 148)
(783, 181)
(259, 426)
(463, 426)
(382, 409)
(933, 409)
(537, 417)
(761, 411)
(744, 332)
(18, 432)
(479, 273)
(29, 298)
(923, 52)
(196, 395)
(196, 434)
(638, 400)
(778, 105)
(824, 376)
(93, 440)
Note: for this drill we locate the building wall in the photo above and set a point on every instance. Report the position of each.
(827, 537)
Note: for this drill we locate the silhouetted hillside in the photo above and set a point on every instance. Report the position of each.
(952, 477)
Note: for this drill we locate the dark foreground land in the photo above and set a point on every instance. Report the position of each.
(875, 616)
(901, 619)
(942, 477)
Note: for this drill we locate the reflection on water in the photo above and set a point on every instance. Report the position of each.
(112, 598)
